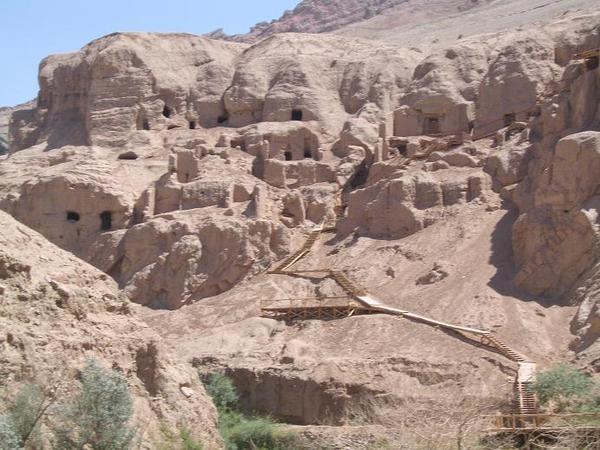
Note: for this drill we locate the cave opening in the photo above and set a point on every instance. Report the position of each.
(167, 112)
(288, 155)
(73, 216)
(431, 125)
(509, 119)
(241, 143)
(146, 125)
(592, 63)
(222, 118)
(297, 114)
(130, 156)
(308, 153)
(192, 124)
(105, 220)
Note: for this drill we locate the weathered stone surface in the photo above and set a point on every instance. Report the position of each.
(57, 311)
(216, 160)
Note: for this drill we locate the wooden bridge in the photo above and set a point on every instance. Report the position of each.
(313, 308)
(359, 302)
(553, 422)
(537, 431)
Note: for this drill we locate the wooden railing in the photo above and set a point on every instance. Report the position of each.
(516, 422)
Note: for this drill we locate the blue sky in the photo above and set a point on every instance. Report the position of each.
(33, 29)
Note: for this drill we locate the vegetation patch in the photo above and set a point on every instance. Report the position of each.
(3, 145)
(96, 418)
(565, 389)
(239, 431)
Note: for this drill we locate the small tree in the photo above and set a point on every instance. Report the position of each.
(9, 440)
(21, 422)
(222, 391)
(564, 388)
(238, 431)
(98, 417)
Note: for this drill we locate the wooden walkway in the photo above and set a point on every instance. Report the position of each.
(314, 308)
(360, 302)
(531, 422)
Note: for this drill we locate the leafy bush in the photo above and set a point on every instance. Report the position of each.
(258, 433)
(20, 423)
(172, 440)
(222, 391)
(563, 388)
(188, 442)
(239, 431)
(9, 439)
(98, 417)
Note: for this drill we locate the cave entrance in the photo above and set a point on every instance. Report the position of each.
(509, 119)
(307, 153)
(131, 156)
(431, 125)
(105, 220)
(288, 155)
(73, 216)
(240, 142)
(402, 147)
(297, 114)
(223, 118)
(167, 112)
(146, 125)
(192, 124)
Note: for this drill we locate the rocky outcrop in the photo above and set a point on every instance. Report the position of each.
(57, 311)
(5, 117)
(202, 83)
(123, 83)
(555, 239)
(586, 323)
(411, 198)
(318, 16)
(174, 259)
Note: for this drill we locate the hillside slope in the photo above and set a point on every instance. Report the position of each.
(410, 23)
(458, 182)
(56, 311)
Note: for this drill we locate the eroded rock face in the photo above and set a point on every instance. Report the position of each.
(5, 118)
(123, 83)
(202, 83)
(170, 260)
(410, 199)
(57, 311)
(556, 240)
(586, 323)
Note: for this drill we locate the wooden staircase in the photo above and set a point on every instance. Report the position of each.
(493, 342)
(525, 400)
(347, 285)
(297, 256)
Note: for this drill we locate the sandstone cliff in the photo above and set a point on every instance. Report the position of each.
(56, 311)
(461, 177)
(5, 117)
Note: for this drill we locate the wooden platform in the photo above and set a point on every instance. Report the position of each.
(589, 422)
(594, 53)
(326, 308)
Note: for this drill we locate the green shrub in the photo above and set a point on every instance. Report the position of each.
(171, 440)
(239, 431)
(9, 439)
(222, 391)
(253, 433)
(98, 417)
(20, 423)
(564, 388)
(188, 442)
